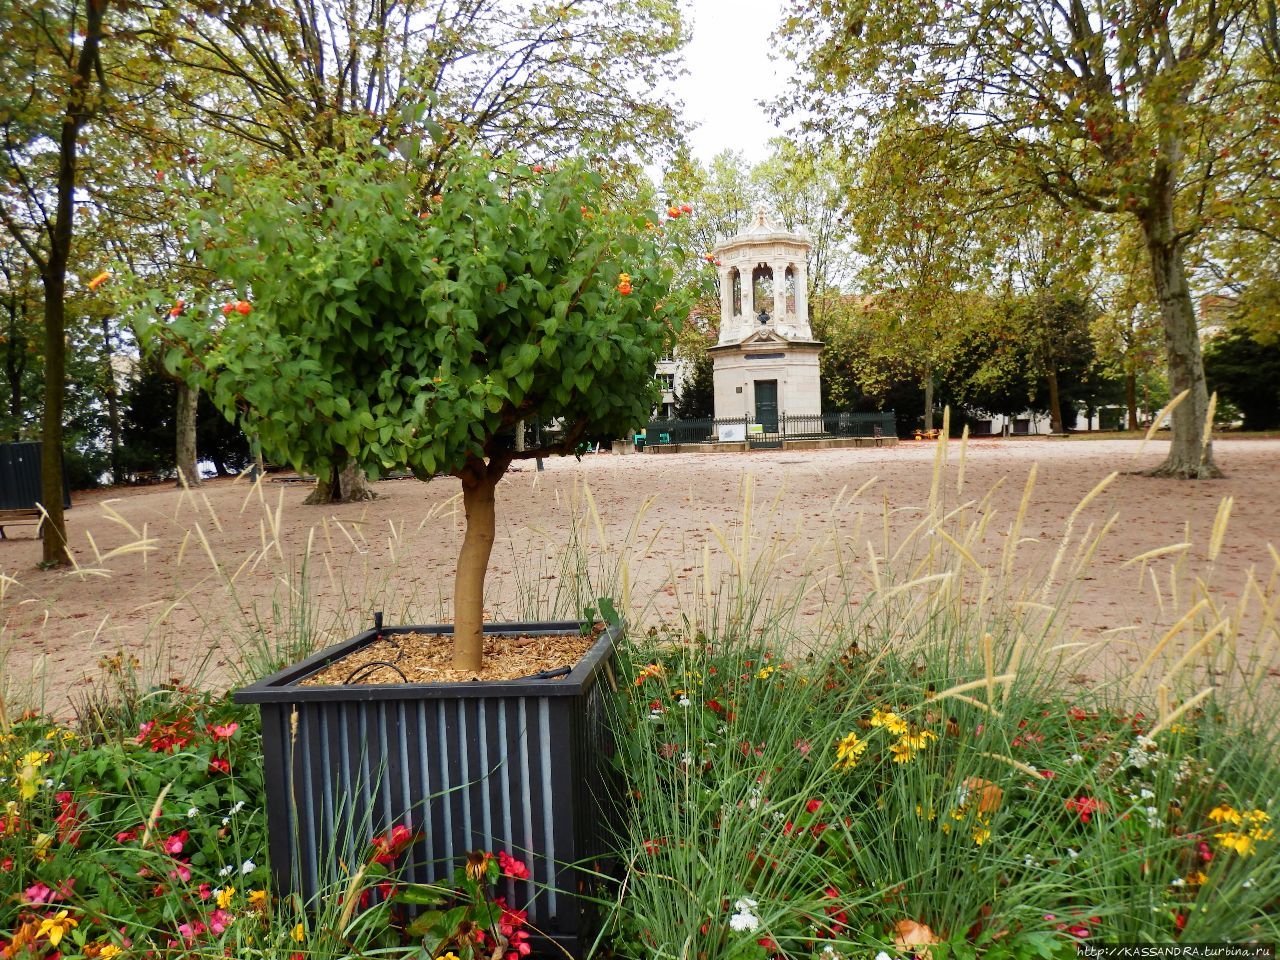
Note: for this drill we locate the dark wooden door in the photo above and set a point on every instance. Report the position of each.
(767, 405)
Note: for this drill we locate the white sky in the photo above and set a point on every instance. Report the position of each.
(729, 72)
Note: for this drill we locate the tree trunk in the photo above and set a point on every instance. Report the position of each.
(1190, 453)
(519, 436)
(54, 279)
(328, 489)
(54, 530)
(185, 440)
(113, 402)
(478, 501)
(1131, 398)
(346, 485)
(1055, 403)
(353, 485)
(928, 399)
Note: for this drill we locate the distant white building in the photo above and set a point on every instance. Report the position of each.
(765, 360)
(670, 374)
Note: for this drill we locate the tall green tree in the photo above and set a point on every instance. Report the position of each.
(51, 82)
(1100, 106)
(404, 331)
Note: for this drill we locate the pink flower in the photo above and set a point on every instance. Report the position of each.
(40, 893)
(512, 867)
(205, 891)
(173, 844)
(224, 731)
(219, 920)
(804, 746)
(181, 872)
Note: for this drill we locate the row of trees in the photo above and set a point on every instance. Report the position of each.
(119, 121)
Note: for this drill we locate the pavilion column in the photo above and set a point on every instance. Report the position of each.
(749, 293)
(779, 291)
(802, 295)
(726, 300)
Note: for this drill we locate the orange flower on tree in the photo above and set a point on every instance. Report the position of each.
(624, 283)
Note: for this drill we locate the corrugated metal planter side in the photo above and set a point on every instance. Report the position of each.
(520, 765)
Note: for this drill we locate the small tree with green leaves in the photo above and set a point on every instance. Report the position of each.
(415, 332)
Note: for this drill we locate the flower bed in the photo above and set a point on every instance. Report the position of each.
(870, 804)
(778, 809)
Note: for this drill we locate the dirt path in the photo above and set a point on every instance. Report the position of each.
(192, 572)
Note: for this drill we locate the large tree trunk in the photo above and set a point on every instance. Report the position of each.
(928, 399)
(113, 401)
(1190, 452)
(54, 278)
(185, 440)
(55, 374)
(1131, 398)
(478, 501)
(346, 485)
(1055, 403)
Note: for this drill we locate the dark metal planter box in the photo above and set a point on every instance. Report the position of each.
(520, 765)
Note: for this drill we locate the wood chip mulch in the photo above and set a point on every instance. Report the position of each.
(428, 658)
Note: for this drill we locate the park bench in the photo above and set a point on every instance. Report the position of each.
(12, 518)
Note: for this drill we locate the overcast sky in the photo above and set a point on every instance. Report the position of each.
(729, 73)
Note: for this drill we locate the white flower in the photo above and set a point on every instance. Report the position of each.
(1177, 882)
(226, 821)
(744, 922)
(49, 782)
(883, 956)
(686, 758)
(1075, 758)
(227, 871)
(1072, 853)
(192, 813)
(1248, 883)
(237, 807)
(655, 714)
(684, 702)
(248, 867)
(744, 904)
(1147, 794)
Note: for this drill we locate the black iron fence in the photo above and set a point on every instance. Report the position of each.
(789, 427)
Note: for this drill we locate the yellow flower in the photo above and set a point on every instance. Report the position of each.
(1257, 816)
(41, 847)
(257, 898)
(448, 956)
(1197, 878)
(765, 673)
(224, 896)
(890, 721)
(849, 751)
(1241, 843)
(981, 835)
(56, 926)
(905, 748)
(918, 741)
(299, 933)
(1224, 814)
(110, 950)
(35, 759)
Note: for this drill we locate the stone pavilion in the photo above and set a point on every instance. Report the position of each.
(766, 360)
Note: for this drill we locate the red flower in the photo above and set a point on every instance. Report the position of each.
(387, 848)
(511, 867)
(224, 731)
(219, 765)
(813, 806)
(1086, 807)
(173, 844)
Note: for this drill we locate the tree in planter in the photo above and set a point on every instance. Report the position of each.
(412, 331)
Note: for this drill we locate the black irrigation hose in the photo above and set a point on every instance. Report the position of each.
(375, 663)
(550, 674)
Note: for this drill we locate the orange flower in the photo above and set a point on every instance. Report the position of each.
(99, 280)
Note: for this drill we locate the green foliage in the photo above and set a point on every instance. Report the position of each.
(149, 426)
(1247, 373)
(408, 331)
(696, 399)
(789, 806)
